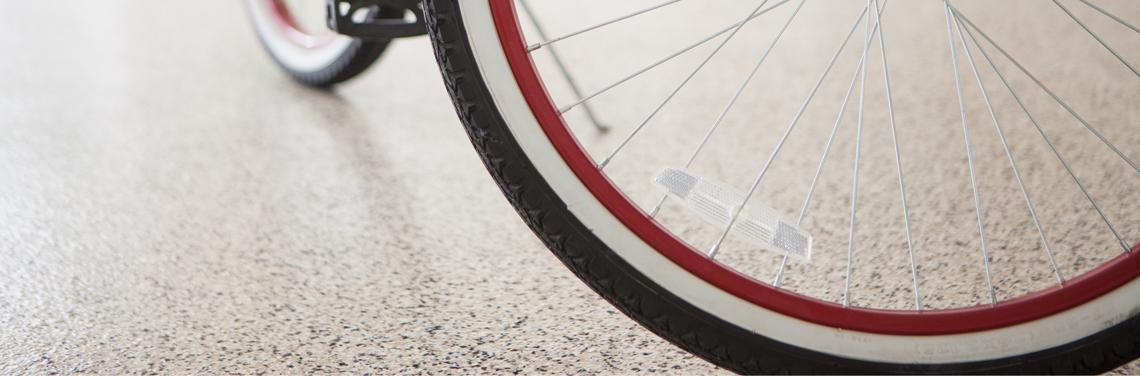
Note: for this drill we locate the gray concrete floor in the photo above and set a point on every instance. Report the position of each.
(172, 203)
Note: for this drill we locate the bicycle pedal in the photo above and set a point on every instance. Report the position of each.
(714, 203)
(344, 17)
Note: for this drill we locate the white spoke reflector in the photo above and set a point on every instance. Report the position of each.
(714, 203)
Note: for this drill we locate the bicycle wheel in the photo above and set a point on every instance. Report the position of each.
(294, 34)
(1010, 246)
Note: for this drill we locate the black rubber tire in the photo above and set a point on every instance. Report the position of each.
(656, 308)
(355, 60)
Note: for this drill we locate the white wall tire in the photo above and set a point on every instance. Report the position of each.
(1038, 343)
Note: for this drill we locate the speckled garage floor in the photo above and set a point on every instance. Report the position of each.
(171, 203)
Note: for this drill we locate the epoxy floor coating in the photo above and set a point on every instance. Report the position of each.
(170, 202)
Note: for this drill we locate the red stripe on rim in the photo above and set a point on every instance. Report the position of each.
(292, 31)
(1099, 281)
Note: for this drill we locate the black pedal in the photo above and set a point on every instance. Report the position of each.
(376, 19)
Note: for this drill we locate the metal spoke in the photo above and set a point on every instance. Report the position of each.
(666, 59)
(558, 62)
(855, 168)
(683, 83)
(1112, 16)
(783, 138)
(969, 153)
(1008, 153)
(1097, 37)
(1036, 125)
(732, 102)
(957, 25)
(823, 159)
(1051, 94)
(606, 23)
(898, 166)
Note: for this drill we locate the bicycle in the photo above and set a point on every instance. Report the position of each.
(966, 129)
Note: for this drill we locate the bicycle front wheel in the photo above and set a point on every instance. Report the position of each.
(824, 187)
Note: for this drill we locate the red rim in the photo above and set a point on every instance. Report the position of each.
(292, 31)
(1101, 280)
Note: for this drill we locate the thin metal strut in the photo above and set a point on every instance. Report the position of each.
(1008, 153)
(855, 172)
(1098, 39)
(684, 82)
(823, 160)
(666, 59)
(1051, 94)
(1112, 16)
(732, 101)
(783, 138)
(548, 41)
(558, 62)
(1033, 120)
(969, 154)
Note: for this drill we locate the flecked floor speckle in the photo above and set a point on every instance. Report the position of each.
(171, 203)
